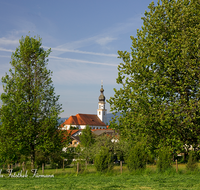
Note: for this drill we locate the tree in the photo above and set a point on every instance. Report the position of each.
(160, 77)
(192, 164)
(30, 109)
(103, 160)
(87, 140)
(137, 157)
(86, 137)
(164, 159)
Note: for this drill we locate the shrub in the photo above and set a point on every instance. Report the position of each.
(137, 157)
(164, 159)
(192, 162)
(4, 171)
(16, 169)
(103, 160)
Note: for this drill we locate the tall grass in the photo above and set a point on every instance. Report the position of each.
(150, 178)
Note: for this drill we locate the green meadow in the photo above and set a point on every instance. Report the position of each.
(90, 179)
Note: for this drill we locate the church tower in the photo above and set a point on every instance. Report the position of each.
(101, 111)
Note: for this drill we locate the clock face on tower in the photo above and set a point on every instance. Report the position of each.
(101, 106)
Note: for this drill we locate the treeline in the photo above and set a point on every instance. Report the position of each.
(105, 152)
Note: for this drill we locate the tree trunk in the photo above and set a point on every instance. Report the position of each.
(32, 156)
(42, 168)
(185, 156)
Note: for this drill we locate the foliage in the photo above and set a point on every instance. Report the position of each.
(192, 162)
(30, 109)
(122, 148)
(164, 159)
(86, 137)
(40, 158)
(103, 141)
(137, 157)
(103, 160)
(159, 96)
(80, 164)
(87, 141)
(103, 151)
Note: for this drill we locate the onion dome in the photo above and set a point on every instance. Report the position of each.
(102, 97)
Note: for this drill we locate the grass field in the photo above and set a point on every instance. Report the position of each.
(68, 179)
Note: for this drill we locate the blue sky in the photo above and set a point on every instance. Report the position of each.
(84, 36)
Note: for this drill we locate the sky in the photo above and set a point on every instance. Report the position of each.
(84, 36)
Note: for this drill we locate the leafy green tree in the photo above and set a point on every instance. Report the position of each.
(30, 108)
(103, 160)
(192, 164)
(87, 141)
(86, 137)
(103, 141)
(159, 96)
(137, 157)
(164, 159)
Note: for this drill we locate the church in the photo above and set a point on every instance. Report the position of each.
(80, 121)
(75, 124)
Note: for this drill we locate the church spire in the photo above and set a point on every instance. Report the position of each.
(101, 111)
(102, 97)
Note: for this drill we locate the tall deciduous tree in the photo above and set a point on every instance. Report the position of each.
(87, 141)
(160, 77)
(86, 137)
(30, 109)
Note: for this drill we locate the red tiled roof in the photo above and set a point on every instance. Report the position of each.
(84, 119)
(67, 133)
(102, 130)
(71, 132)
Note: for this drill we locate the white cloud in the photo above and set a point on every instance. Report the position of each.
(7, 50)
(102, 39)
(79, 43)
(105, 40)
(6, 41)
(83, 61)
(73, 60)
(81, 52)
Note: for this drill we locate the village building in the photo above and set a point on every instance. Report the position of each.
(80, 121)
(98, 123)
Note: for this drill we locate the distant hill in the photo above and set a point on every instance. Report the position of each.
(61, 120)
(109, 117)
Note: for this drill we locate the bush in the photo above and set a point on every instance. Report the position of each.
(103, 160)
(4, 171)
(164, 159)
(192, 162)
(137, 157)
(16, 169)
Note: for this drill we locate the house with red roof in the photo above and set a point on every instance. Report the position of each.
(80, 121)
(75, 124)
